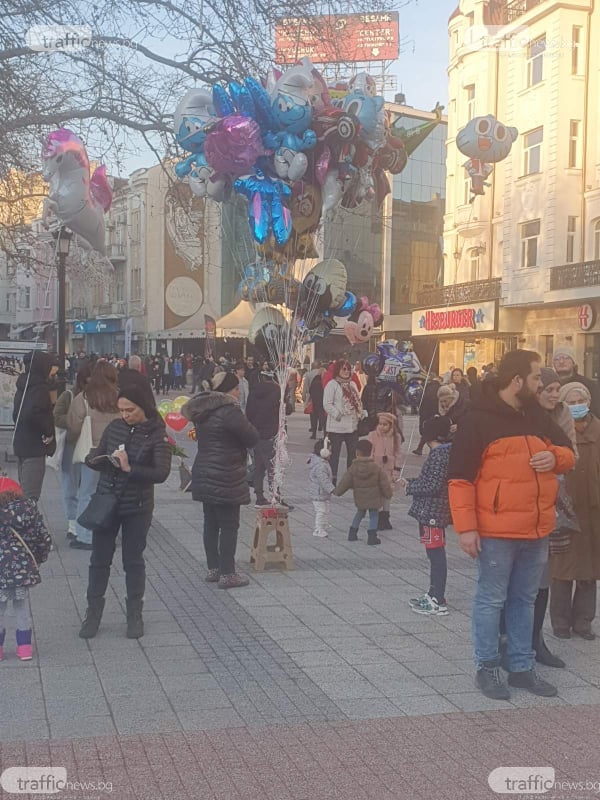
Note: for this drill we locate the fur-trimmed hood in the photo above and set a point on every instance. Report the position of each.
(202, 405)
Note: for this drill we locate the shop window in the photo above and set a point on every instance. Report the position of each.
(532, 151)
(574, 143)
(571, 232)
(530, 232)
(535, 61)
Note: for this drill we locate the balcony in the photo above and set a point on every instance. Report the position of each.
(76, 313)
(119, 308)
(473, 292)
(503, 12)
(575, 276)
(116, 252)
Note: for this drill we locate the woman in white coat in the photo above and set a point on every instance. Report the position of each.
(341, 403)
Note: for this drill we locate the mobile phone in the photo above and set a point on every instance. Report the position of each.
(112, 460)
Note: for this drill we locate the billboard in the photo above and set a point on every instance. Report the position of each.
(341, 38)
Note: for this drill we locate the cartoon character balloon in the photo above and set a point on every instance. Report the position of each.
(485, 141)
(269, 330)
(291, 106)
(324, 288)
(193, 116)
(74, 198)
(361, 322)
(267, 211)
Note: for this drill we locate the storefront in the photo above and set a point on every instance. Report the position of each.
(100, 335)
(470, 335)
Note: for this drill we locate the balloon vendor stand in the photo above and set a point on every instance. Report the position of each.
(271, 522)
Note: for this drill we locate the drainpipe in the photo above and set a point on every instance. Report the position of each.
(585, 130)
(493, 193)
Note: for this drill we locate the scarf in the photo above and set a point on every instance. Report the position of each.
(350, 395)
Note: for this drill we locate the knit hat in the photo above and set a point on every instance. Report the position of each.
(437, 429)
(565, 351)
(549, 376)
(224, 382)
(447, 390)
(385, 416)
(141, 398)
(569, 387)
(8, 485)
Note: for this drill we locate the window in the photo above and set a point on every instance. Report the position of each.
(574, 143)
(474, 264)
(47, 298)
(532, 153)
(597, 240)
(470, 90)
(467, 191)
(576, 51)
(7, 302)
(535, 61)
(530, 232)
(547, 349)
(135, 226)
(26, 297)
(571, 231)
(470, 19)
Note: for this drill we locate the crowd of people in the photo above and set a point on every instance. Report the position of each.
(513, 464)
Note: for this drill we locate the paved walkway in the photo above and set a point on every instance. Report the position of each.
(317, 683)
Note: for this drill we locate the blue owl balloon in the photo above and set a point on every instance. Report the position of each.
(485, 141)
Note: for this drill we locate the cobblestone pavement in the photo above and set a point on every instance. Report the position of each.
(314, 683)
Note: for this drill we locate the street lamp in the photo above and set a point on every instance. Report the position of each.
(63, 237)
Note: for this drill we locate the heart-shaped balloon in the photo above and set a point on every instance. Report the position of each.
(176, 421)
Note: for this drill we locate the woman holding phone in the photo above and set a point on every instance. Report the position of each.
(134, 454)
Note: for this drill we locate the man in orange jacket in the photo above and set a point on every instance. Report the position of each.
(502, 489)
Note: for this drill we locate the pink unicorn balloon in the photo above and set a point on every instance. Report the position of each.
(74, 198)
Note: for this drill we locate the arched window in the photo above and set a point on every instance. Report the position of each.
(597, 240)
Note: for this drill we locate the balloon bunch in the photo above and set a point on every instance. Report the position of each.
(290, 149)
(485, 141)
(170, 411)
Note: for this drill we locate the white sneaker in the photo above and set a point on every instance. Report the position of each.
(71, 527)
(429, 605)
(320, 534)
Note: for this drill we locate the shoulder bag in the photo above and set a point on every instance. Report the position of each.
(85, 441)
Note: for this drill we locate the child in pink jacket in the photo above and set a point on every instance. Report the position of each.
(386, 439)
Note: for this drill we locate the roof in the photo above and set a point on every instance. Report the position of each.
(237, 322)
(454, 14)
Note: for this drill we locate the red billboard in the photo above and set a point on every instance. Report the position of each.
(338, 38)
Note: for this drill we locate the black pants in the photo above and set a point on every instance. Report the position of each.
(264, 452)
(221, 524)
(438, 572)
(336, 446)
(317, 421)
(134, 531)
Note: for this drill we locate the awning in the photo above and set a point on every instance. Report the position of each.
(237, 323)
(16, 332)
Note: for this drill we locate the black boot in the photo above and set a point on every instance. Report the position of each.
(93, 615)
(372, 538)
(542, 654)
(353, 535)
(135, 623)
(384, 521)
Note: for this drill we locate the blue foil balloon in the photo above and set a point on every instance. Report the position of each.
(266, 209)
(347, 306)
(262, 103)
(242, 100)
(222, 102)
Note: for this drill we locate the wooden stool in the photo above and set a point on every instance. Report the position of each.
(271, 521)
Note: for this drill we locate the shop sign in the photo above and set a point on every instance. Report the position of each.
(97, 326)
(586, 316)
(454, 319)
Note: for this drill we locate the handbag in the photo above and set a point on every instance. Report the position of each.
(85, 441)
(100, 511)
(308, 408)
(366, 425)
(55, 460)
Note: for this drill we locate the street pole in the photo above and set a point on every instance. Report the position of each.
(63, 238)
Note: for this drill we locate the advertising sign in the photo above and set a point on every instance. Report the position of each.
(344, 38)
(586, 316)
(455, 319)
(210, 326)
(97, 326)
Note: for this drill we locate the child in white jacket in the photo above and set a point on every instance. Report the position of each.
(321, 485)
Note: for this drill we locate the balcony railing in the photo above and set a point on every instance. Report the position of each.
(503, 12)
(77, 313)
(116, 251)
(473, 292)
(118, 307)
(575, 276)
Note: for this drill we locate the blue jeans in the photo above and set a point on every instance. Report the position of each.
(509, 576)
(373, 518)
(87, 487)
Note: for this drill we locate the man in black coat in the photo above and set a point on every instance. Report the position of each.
(219, 477)
(34, 422)
(262, 410)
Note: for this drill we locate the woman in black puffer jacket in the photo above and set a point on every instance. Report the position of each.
(219, 477)
(138, 441)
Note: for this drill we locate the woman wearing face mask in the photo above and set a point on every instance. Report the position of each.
(574, 611)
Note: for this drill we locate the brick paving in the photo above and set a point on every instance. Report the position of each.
(315, 683)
